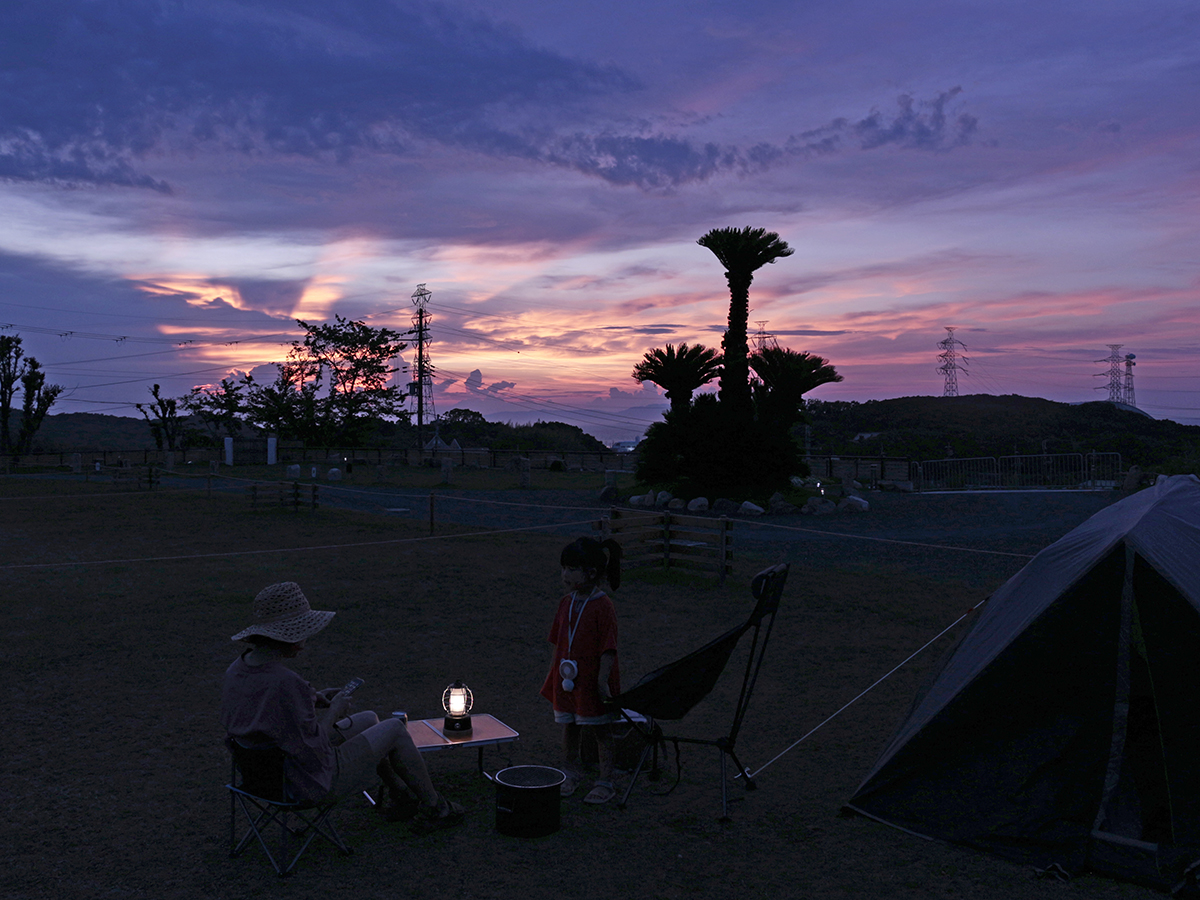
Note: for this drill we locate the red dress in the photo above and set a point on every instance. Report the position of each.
(595, 632)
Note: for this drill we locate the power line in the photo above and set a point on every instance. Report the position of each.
(126, 338)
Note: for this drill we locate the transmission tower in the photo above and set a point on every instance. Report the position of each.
(762, 337)
(1127, 394)
(952, 362)
(422, 385)
(1114, 361)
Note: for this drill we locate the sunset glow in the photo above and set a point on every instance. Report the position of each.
(1025, 174)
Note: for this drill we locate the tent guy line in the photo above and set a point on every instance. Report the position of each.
(863, 537)
(864, 693)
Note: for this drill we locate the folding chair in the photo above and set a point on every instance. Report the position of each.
(670, 692)
(258, 785)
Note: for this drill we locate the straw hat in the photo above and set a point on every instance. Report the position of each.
(281, 612)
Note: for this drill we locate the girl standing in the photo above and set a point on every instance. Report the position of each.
(584, 671)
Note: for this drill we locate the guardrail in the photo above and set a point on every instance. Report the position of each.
(1077, 471)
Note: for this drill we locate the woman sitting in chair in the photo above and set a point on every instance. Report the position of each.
(330, 755)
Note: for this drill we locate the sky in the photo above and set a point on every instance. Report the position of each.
(181, 182)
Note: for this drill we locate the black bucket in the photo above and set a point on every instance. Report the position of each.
(527, 800)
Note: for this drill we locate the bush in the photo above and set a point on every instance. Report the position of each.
(706, 450)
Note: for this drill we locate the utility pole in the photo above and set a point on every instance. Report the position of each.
(1114, 373)
(422, 385)
(951, 362)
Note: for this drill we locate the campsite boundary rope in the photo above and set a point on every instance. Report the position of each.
(231, 553)
(326, 488)
(862, 694)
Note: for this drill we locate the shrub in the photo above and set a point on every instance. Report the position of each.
(709, 450)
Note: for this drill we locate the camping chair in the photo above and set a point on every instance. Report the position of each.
(258, 785)
(670, 692)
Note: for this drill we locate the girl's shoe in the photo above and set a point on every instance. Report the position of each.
(601, 792)
(569, 786)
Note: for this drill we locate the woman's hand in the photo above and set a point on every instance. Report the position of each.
(325, 697)
(339, 705)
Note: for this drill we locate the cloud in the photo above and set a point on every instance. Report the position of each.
(474, 383)
(665, 161)
(91, 87)
(28, 157)
(94, 92)
(917, 126)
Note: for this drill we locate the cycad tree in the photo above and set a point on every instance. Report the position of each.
(785, 377)
(742, 251)
(680, 372)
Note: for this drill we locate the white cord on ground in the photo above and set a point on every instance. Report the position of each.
(439, 537)
(864, 537)
(913, 656)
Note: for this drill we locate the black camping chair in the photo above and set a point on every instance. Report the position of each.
(670, 692)
(258, 785)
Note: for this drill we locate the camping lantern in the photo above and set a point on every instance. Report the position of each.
(457, 701)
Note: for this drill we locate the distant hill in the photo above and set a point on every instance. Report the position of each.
(987, 425)
(90, 432)
(93, 432)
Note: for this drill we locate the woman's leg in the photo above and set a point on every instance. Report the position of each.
(405, 759)
(349, 726)
(392, 745)
(384, 750)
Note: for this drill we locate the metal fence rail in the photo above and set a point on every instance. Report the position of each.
(1073, 471)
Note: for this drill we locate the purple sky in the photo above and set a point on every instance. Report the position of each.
(210, 171)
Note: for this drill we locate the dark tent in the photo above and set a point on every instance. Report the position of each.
(1065, 725)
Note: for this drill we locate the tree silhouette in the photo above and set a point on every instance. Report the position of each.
(167, 426)
(785, 376)
(220, 408)
(16, 369)
(742, 251)
(333, 388)
(679, 372)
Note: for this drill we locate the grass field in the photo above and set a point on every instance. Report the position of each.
(117, 609)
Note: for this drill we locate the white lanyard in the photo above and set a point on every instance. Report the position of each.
(571, 629)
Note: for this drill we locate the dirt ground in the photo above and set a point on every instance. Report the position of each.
(117, 609)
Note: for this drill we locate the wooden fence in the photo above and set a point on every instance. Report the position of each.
(135, 478)
(283, 493)
(669, 539)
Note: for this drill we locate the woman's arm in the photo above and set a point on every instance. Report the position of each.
(339, 703)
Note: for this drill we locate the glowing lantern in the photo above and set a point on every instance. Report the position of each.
(457, 701)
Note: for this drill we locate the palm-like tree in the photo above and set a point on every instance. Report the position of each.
(742, 251)
(679, 372)
(786, 376)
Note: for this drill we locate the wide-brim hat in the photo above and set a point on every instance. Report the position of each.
(282, 613)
